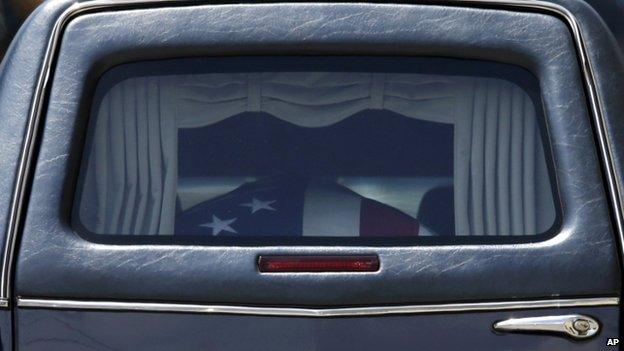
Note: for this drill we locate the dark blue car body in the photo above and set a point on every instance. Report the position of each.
(62, 290)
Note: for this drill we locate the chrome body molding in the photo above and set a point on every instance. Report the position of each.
(310, 312)
(44, 81)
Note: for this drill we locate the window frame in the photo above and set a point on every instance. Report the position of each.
(338, 63)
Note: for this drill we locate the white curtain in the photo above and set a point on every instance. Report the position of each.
(312, 99)
(131, 180)
(501, 181)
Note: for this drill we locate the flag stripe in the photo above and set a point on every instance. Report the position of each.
(330, 210)
(377, 219)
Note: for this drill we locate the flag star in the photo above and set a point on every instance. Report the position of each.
(219, 225)
(257, 205)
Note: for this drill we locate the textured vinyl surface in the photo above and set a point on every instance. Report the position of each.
(19, 72)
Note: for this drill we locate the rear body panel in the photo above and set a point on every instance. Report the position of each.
(79, 330)
(579, 262)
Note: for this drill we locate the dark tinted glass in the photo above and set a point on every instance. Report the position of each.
(294, 148)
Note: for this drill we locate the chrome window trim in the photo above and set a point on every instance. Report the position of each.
(311, 312)
(43, 83)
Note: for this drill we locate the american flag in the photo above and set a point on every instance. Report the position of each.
(291, 205)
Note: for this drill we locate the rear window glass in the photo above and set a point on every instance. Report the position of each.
(316, 149)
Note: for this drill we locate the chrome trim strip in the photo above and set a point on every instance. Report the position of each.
(26, 156)
(311, 312)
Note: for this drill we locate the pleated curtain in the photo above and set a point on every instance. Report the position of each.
(499, 166)
(131, 180)
(501, 181)
(312, 99)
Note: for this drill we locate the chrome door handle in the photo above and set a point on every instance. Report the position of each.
(575, 326)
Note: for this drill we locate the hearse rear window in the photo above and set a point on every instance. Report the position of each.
(294, 148)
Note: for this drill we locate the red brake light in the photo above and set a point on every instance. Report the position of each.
(281, 264)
